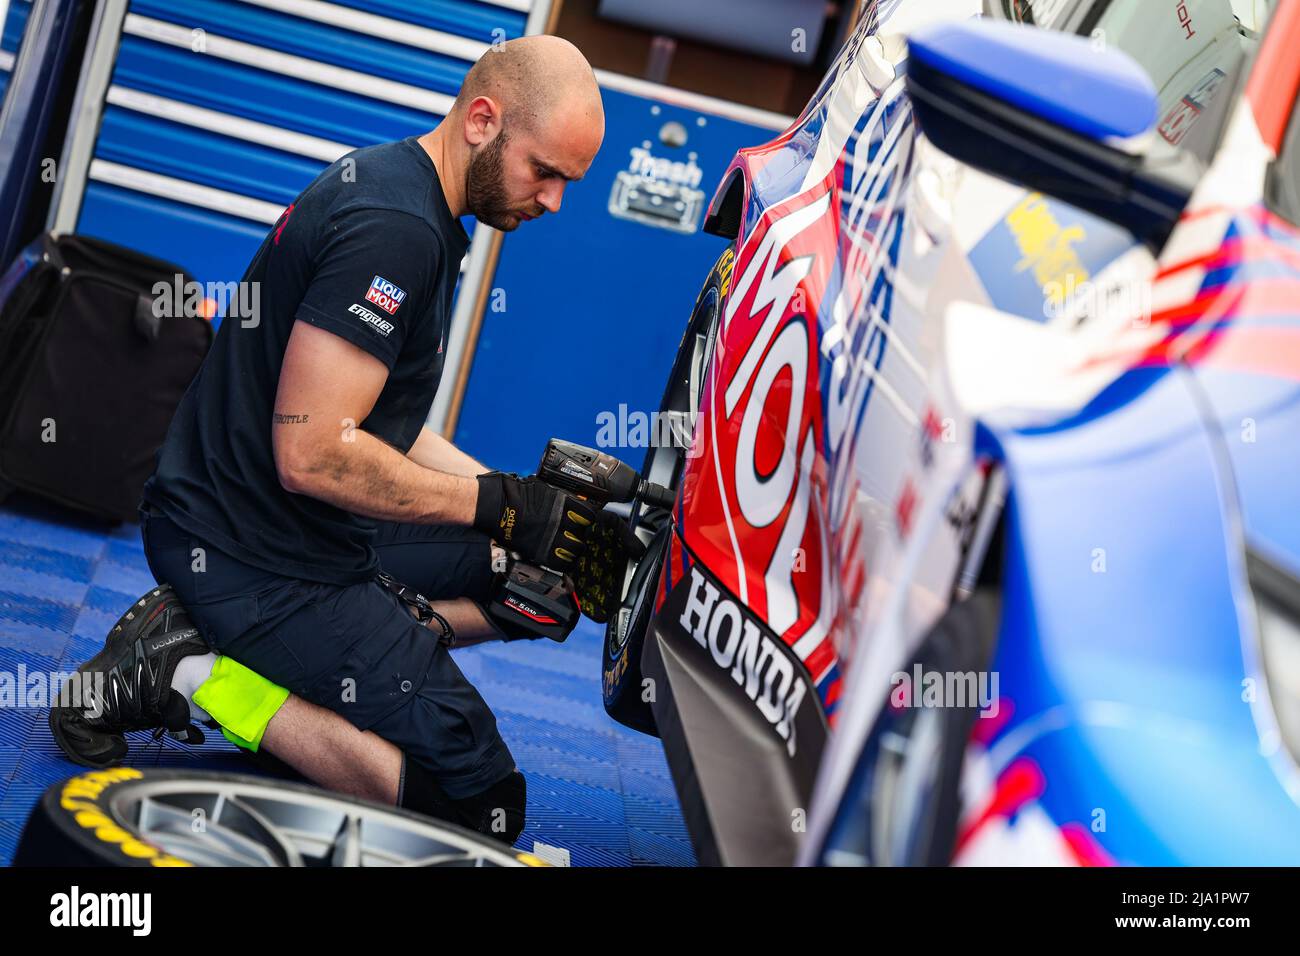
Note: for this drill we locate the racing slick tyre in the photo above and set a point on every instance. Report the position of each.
(902, 805)
(621, 679)
(142, 818)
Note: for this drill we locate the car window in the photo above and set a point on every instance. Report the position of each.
(1284, 177)
(1191, 50)
(1049, 14)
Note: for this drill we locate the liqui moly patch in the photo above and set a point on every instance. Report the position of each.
(385, 295)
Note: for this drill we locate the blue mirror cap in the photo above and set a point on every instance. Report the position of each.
(1064, 79)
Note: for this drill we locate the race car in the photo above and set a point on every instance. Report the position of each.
(983, 547)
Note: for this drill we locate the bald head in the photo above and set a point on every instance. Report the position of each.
(533, 79)
(527, 122)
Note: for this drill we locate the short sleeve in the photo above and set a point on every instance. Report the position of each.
(372, 280)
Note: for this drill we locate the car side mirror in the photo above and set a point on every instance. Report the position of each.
(1053, 113)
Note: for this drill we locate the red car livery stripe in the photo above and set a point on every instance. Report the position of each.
(1275, 77)
(1245, 316)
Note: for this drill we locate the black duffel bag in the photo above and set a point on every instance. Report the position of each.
(90, 371)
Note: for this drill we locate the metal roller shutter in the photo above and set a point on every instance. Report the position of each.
(13, 21)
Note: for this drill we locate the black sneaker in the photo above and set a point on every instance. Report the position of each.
(127, 685)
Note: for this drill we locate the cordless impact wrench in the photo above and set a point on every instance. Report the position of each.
(537, 598)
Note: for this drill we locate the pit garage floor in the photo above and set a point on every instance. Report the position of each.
(595, 789)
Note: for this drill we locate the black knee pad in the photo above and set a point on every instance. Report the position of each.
(420, 792)
(497, 812)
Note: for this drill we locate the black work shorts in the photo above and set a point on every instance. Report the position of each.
(354, 649)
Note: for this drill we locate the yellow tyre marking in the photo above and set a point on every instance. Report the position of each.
(79, 796)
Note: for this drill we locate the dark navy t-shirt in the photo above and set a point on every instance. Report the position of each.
(370, 252)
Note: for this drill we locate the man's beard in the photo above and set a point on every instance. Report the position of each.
(485, 186)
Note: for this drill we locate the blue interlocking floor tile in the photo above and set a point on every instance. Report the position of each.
(110, 601)
(641, 758)
(9, 833)
(554, 741)
(580, 797)
(591, 841)
(20, 561)
(78, 650)
(16, 725)
(578, 656)
(644, 810)
(27, 638)
(25, 680)
(40, 741)
(521, 699)
(656, 848)
(547, 685)
(131, 579)
(27, 518)
(9, 757)
(36, 772)
(21, 580)
(580, 768)
(28, 609)
(93, 625)
(12, 660)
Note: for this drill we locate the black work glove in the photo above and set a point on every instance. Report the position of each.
(544, 525)
(598, 578)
